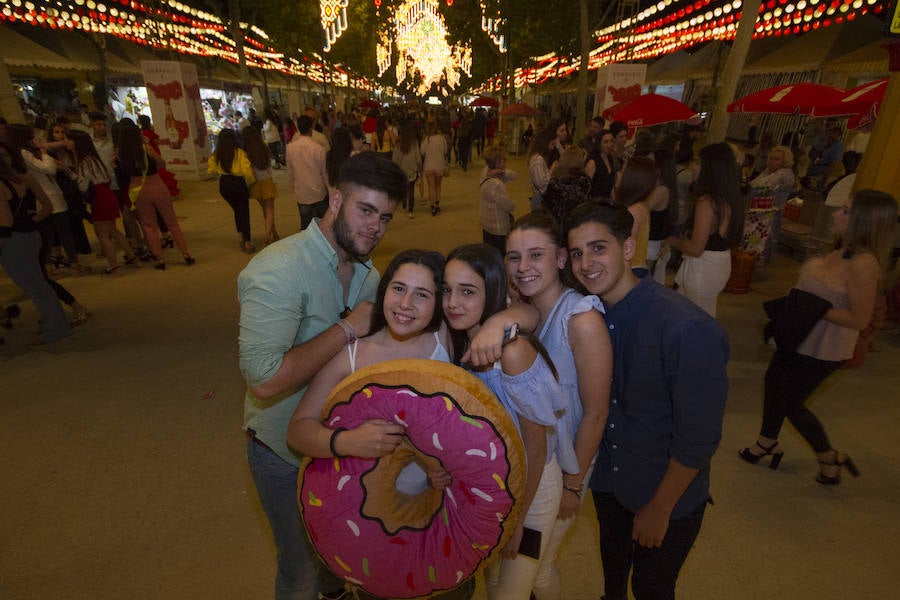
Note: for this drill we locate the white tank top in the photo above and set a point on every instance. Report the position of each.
(439, 353)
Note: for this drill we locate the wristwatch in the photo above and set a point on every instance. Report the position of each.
(511, 333)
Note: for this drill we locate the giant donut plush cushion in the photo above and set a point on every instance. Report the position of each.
(393, 544)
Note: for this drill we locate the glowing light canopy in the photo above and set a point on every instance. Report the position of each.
(420, 35)
(334, 20)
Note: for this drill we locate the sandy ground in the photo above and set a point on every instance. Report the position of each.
(124, 473)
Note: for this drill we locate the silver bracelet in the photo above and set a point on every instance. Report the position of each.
(348, 330)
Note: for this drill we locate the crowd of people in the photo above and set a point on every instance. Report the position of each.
(64, 174)
(616, 383)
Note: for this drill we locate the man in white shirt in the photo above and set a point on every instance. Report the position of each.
(306, 172)
(241, 122)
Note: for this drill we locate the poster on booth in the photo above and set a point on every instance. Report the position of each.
(617, 83)
(174, 94)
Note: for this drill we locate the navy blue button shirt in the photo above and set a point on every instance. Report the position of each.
(667, 397)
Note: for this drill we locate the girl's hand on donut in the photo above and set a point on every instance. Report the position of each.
(375, 438)
(439, 479)
(511, 550)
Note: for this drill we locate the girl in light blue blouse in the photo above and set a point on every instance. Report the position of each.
(526, 384)
(572, 329)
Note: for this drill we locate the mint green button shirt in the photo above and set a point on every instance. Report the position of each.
(289, 294)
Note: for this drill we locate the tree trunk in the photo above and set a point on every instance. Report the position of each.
(10, 108)
(100, 95)
(581, 104)
(734, 65)
(234, 27)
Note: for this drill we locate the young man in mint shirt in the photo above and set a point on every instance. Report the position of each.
(302, 299)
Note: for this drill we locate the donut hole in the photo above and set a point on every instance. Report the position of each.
(412, 480)
(396, 489)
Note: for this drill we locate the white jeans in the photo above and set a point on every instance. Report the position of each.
(513, 579)
(547, 584)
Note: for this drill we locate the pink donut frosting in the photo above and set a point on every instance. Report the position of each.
(467, 524)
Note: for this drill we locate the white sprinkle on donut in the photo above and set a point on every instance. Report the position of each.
(436, 441)
(401, 421)
(353, 527)
(450, 495)
(493, 451)
(500, 518)
(476, 452)
(333, 421)
(459, 576)
(407, 393)
(342, 482)
(481, 494)
(353, 581)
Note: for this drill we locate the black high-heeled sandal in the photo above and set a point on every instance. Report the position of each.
(189, 260)
(752, 458)
(840, 462)
(59, 262)
(133, 261)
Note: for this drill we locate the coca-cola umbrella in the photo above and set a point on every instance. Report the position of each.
(791, 99)
(519, 109)
(484, 101)
(859, 101)
(649, 109)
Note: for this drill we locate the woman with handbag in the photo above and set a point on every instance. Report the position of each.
(235, 173)
(148, 192)
(848, 278)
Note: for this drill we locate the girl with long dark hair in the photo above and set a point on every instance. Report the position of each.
(636, 182)
(93, 179)
(263, 189)
(137, 161)
(526, 383)
(232, 166)
(716, 228)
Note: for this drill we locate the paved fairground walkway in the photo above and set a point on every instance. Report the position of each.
(124, 473)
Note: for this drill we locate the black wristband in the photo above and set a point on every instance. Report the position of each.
(574, 490)
(331, 441)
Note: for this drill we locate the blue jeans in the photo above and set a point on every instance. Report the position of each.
(298, 565)
(654, 570)
(19, 257)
